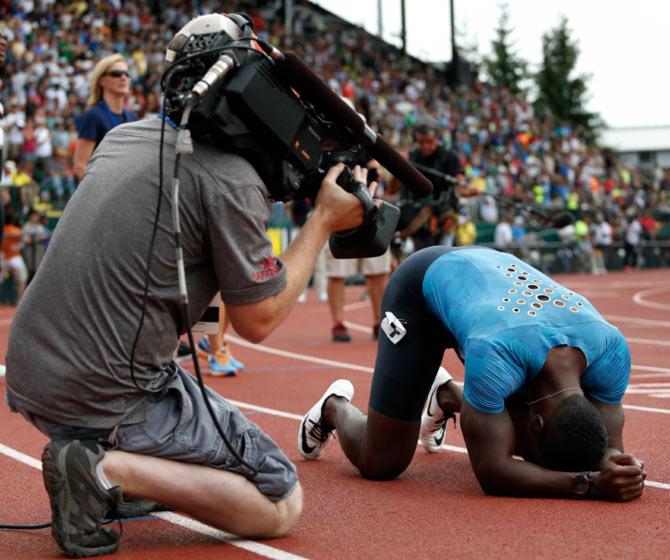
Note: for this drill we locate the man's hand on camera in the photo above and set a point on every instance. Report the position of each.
(341, 210)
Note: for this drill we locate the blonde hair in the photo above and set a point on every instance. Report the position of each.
(100, 68)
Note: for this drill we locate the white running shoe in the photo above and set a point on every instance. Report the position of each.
(433, 419)
(314, 434)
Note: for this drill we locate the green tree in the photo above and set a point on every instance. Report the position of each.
(559, 91)
(504, 67)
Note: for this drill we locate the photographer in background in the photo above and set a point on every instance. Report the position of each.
(88, 370)
(431, 220)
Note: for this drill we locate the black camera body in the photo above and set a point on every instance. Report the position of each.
(255, 115)
(289, 141)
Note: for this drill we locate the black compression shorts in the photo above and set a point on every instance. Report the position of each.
(404, 372)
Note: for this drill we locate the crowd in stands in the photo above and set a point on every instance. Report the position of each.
(512, 154)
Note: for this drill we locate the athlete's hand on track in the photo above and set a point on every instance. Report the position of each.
(621, 478)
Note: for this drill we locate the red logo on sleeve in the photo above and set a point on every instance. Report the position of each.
(269, 269)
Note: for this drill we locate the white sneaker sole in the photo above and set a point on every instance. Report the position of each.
(428, 420)
(340, 388)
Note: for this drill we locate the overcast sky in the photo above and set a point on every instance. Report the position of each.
(624, 45)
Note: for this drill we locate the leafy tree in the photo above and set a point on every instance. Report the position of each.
(504, 67)
(559, 91)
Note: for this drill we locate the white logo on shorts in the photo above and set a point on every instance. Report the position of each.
(394, 329)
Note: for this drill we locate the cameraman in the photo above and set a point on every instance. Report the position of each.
(143, 431)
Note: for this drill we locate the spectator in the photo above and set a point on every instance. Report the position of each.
(34, 241)
(488, 209)
(502, 235)
(376, 271)
(466, 231)
(12, 261)
(214, 348)
(110, 86)
(601, 233)
(632, 237)
(584, 250)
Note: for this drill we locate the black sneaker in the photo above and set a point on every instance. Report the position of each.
(183, 352)
(79, 505)
(340, 333)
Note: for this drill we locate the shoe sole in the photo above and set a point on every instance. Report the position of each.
(130, 507)
(58, 489)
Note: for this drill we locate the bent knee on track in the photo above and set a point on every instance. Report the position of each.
(381, 471)
(287, 513)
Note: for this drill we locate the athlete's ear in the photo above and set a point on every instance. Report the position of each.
(536, 423)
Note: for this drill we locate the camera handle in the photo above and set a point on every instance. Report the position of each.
(373, 236)
(359, 190)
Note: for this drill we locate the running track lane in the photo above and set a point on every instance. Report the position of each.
(434, 508)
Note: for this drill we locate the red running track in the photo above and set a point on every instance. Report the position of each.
(436, 508)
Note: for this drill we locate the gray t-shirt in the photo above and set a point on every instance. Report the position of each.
(70, 343)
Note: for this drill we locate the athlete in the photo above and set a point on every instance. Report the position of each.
(544, 378)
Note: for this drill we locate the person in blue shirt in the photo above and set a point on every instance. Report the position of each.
(544, 378)
(110, 86)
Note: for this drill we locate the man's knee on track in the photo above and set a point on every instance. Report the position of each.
(382, 470)
(287, 513)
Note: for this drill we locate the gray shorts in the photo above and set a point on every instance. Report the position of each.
(178, 426)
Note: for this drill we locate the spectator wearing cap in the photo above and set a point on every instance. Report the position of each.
(110, 86)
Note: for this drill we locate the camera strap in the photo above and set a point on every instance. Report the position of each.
(361, 192)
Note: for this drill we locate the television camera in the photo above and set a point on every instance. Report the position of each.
(227, 87)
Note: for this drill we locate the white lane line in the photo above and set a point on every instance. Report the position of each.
(637, 321)
(646, 408)
(357, 305)
(181, 520)
(21, 457)
(357, 327)
(649, 375)
(355, 367)
(651, 341)
(305, 358)
(617, 284)
(655, 372)
(639, 298)
(345, 365)
(651, 368)
(271, 411)
(251, 546)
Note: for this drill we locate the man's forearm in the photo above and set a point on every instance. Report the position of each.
(514, 477)
(300, 256)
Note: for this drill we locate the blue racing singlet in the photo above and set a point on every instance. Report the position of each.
(506, 316)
